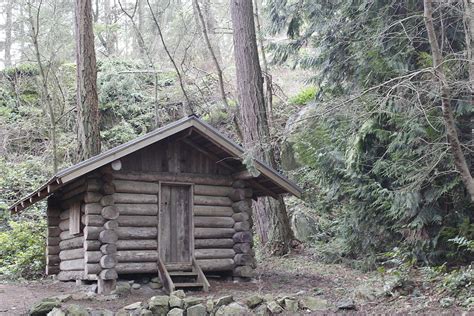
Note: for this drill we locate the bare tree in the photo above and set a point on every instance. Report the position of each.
(273, 225)
(448, 116)
(8, 33)
(186, 103)
(87, 99)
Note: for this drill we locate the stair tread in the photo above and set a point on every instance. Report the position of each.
(182, 273)
(193, 284)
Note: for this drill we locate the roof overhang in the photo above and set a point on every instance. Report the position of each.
(74, 172)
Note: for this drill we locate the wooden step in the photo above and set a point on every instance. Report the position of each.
(182, 273)
(178, 266)
(190, 284)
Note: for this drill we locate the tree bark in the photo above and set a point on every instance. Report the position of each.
(87, 99)
(448, 116)
(212, 51)
(8, 33)
(469, 31)
(273, 225)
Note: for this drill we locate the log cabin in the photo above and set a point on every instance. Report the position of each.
(175, 202)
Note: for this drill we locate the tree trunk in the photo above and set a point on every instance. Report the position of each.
(448, 116)
(87, 99)
(45, 95)
(8, 33)
(273, 225)
(469, 31)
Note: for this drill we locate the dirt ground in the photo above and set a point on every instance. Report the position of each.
(297, 274)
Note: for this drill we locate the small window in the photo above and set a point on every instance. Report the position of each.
(75, 219)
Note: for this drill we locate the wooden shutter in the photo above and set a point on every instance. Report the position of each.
(75, 219)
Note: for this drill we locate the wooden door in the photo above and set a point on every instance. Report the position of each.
(175, 231)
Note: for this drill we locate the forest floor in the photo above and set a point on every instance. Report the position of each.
(297, 274)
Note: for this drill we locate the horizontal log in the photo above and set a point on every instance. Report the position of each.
(92, 256)
(92, 197)
(75, 242)
(213, 233)
(92, 208)
(240, 194)
(214, 253)
(92, 268)
(243, 248)
(138, 221)
(107, 200)
(72, 185)
(213, 221)
(212, 200)
(138, 244)
(70, 275)
(108, 188)
(110, 212)
(112, 224)
(135, 198)
(64, 214)
(214, 265)
(54, 221)
(108, 236)
(54, 231)
(212, 190)
(242, 206)
(201, 210)
(137, 209)
(92, 233)
(71, 254)
(242, 226)
(241, 217)
(92, 245)
(53, 211)
(213, 243)
(108, 249)
(53, 241)
(69, 265)
(108, 274)
(52, 270)
(64, 224)
(242, 259)
(93, 220)
(126, 186)
(108, 261)
(52, 250)
(136, 267)
(239, 184)
(94, 184)
(66, 204)
(65, 235)
(181, 177)
(243, 237)
(137, 255)
(80, 189)
(137, 232)
(52, 260)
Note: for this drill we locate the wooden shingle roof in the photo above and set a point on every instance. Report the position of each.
(269, 180)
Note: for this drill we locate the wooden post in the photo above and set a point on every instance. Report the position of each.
(107, 277)
(244, 258)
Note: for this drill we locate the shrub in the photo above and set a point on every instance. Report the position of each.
(22, 249)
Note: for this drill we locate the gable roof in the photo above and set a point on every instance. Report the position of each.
(205, 130)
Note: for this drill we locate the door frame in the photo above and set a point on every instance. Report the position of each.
(191, 214)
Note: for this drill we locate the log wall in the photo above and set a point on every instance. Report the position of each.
(70, 246)
(213, 222)
(52, 241)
